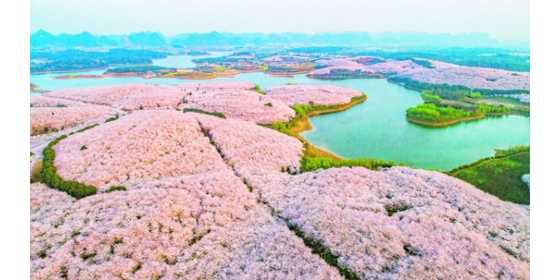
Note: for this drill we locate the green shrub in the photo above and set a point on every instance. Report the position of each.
(114, 118)
(428, 97)
(36, 172)
(423, 62)
(84, 129)
(319, 249)
(194, 110)
(49, 176)
(511, 151)
(493, 109)
(500, 175)
(475, 95)
(116, 188)
(433, 113)
(313, 163)
(259, 89)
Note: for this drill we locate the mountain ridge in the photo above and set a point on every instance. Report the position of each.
(45, 39)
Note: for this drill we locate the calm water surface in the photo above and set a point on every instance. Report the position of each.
(184, 61)
(376, 128)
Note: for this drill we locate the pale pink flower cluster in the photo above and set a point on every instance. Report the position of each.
(403, 223)
(340, 62)
(48, 209)
(441, 73)
(148, 145)
(250, 148)
(193, 208)
(45, 101)
(47, 203)
(399, 67)
(240, 104)
(235, 100)
(345, 64)
(217, 86)
(473, 77)
(144, 145)
(125, 97)
(50, 119)
(313, 94)
(156, 231)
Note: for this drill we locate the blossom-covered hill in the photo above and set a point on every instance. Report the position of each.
(205, 197)
(126, 97)
(433, 72)
(313, 94)
(234, 100)
(403, 223)
(240, 104)
(54, 114)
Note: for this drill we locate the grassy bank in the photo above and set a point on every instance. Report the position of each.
(442, 109)
(315, 158)
(500, 175)
(49, 176)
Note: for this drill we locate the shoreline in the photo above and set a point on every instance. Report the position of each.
(444, 123)
(303, 124)
(480, 117)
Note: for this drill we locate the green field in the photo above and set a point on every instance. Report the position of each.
(500, 175)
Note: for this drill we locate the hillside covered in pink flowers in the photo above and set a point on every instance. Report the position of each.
(438, 73)
(181, 194)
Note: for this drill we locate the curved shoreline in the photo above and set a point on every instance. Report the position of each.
(303, 124)
(460, 120)
(444, 123)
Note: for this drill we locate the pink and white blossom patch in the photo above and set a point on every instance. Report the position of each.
(50, 119)
(45, 101)
(171, 233)
(251, 148)
(125, 97)
(141, 146)
(403, 223)
(240, 104)
(313, 94)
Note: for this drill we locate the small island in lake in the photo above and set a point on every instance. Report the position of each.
(448, 107)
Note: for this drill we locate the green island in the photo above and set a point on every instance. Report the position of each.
(500, 175)
(432, 115)
(313, 157)
(443, 108)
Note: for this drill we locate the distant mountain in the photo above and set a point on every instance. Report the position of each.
(44, 39)
(146, 39)
(346, 39)
(270, 39)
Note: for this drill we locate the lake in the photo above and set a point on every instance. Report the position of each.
(184, 61)
(376, 128)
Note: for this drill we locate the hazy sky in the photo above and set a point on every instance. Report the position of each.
(502, 19)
